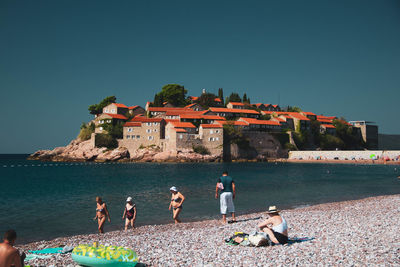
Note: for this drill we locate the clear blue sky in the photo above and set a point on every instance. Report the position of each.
(56, 57)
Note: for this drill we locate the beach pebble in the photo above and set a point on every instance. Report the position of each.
(346, 234)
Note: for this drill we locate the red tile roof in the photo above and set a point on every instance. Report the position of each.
(217, 100)
(182, 124)
(298, 116)
(116, 116)
(309, 113)
(236, 103)
(193, 98)
(232, 110)
(259, 122)
(145, 119)
(328, 126)
(325, 117)
(279, 119)
(213, 117)
(325, 121)
(165, 109)
(133, 107)
(235, 123)
(132, 124)
(180, 130)
(120, 105)
(191, 105)
(210, 125)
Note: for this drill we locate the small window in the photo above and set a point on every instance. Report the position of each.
(101, 128)
(128, 137)
(155, 130)
(148, 124)
(148, 130)
(132, 136)
(129, 129)
(216, 138)
(211, 131)
(150, 137)
(155, 123)
(137, 136)
(181, 136)
(108, 121)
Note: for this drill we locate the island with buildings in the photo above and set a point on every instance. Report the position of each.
(177, 127)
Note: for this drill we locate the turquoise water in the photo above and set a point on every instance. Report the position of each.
(44, 200)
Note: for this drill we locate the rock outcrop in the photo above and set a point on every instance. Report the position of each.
(79, 150)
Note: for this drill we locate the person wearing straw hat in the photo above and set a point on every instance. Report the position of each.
(275, 226)
(129, 213)
(176, 203)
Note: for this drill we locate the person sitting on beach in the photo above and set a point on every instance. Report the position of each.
(9, 256)
(275, 226)
(227, 187)
(129, 213)
(101, 214)
(176, 203)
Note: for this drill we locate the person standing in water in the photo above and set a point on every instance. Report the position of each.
(227, 187)
(176, 203)
(129, 213)
(101, 214)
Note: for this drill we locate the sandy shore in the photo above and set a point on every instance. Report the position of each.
(350, 233)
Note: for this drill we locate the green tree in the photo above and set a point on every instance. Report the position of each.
(206, 100)
(346, 133)
(96, 109)
(293, 109)
(221, 95)
(158, 100)
(329, 142)
(245, 100)
(174, 94)
(234, 97)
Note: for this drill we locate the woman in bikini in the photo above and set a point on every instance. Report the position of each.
(129, 213)
(101, 214)
(176, 203)
(275, 226)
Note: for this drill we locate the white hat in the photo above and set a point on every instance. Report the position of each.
(129, 199)
(173, 189)
(273, 209)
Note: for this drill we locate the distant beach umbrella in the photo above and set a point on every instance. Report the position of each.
(372, 156)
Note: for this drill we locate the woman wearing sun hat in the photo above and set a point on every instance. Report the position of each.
(275, 226)
(129, 213)
(176, 203)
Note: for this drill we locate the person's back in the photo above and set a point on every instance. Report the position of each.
(227, 183)
(8, 254)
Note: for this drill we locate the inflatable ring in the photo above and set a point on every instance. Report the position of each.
(104, 256)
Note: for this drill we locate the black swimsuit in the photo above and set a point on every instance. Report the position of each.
(130, 213)
(178, 199)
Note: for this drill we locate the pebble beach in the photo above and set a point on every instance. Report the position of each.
(349, 233)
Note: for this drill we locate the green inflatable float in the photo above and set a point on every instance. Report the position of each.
(104, 256)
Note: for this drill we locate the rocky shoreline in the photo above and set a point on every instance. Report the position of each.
(79, 150)
(349, 233)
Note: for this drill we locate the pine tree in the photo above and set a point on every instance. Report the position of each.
(221, 95)
(245, 98)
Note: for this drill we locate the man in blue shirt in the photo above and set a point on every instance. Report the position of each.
(226, 185)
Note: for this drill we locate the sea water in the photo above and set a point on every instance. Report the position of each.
(44, 200)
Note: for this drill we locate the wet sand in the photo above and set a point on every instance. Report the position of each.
(360, 233)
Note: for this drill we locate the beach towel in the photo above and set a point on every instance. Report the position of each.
(47, 251)
(30, 257)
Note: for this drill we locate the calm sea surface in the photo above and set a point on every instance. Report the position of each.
(43, 200)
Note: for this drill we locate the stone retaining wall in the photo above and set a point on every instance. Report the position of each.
(342, 155)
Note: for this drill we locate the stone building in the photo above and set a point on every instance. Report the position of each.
(328, 129)
(262, 125)
(116, 108)
(143, 132)
(231, 113)
(369, 133)
(136, 110)
(107, 118)
(237, 105)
